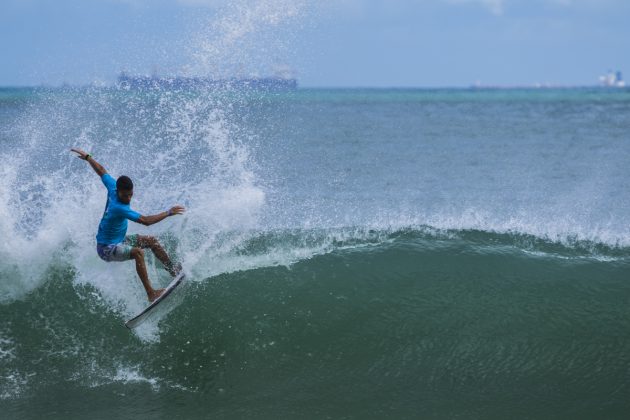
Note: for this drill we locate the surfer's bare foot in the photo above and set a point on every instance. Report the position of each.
(175, 269)
(155, 294)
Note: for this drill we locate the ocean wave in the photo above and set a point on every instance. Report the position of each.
(347, 289)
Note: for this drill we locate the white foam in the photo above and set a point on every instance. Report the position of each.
(13, 384)
(7, 347)
(129, 375)
(58, 225)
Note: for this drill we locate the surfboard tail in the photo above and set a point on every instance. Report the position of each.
(142, 316)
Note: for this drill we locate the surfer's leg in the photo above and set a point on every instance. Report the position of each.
(138, 255)
(155, 246)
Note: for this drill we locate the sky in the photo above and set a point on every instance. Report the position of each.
(323, 43)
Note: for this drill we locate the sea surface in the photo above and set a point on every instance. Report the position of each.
(351, 254)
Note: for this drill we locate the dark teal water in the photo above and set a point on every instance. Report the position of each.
(352, 254)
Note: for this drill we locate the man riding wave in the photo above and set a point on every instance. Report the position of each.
(112, 241)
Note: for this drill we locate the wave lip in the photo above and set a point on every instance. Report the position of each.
(425, 237)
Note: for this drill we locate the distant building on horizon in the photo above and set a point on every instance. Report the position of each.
(612, 79)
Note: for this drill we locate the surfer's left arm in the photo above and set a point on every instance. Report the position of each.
(150, 220)
(98, 168)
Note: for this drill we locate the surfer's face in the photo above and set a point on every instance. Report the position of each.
(125, 196)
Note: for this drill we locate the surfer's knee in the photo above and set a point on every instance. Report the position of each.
(149, 242)
(137, 253)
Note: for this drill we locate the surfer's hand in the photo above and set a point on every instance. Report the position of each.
(81, 153)
(176, 210)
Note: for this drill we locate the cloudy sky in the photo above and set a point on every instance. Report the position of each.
(426, 43)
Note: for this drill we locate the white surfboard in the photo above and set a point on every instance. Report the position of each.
(142, 316)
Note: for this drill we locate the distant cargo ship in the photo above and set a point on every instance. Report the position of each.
(157, 82)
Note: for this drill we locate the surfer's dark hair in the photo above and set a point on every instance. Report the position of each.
(124, 183)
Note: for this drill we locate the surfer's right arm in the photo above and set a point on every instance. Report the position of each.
(98, 168)
(150, 220)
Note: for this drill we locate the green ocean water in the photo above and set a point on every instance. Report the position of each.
(356, 254)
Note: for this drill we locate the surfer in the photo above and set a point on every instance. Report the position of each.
(112, 243)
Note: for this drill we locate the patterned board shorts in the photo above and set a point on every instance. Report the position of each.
(117, 252)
